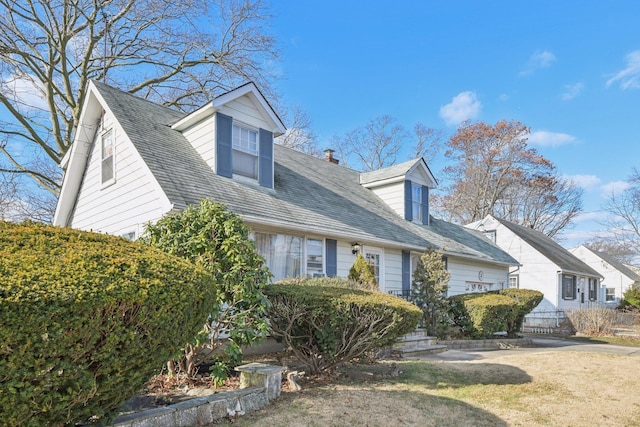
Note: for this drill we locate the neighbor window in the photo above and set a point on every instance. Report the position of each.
(282, 254)
(245, 151)
(416, 202)
(593, 289)
(513, 281)
(314, 258)
(107, 164)
(611, 295)
(568, 286)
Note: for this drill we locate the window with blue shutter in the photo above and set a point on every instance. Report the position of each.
(265, 168)
(406, 273)
(331, 262)
(425, 205)
(224, 165)
(408, 205)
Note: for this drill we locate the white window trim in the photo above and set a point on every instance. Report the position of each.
(378, 251)
(242, 125)
(417, 219)
(323, 254)
(104, 133)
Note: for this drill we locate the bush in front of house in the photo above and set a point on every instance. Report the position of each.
(325, 326)
(363, 274)
(594, 321)
(428, 291)
(481, 315)
(527, 300)
(631, 299)
(86, 319)
(210, 236)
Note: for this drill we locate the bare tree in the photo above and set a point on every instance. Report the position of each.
(299, 135)
(623, 222)
(379, 143)
(8, 196)
(179, 53)
(494, 172)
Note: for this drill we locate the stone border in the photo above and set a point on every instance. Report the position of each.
(260, 384)
(487, 344)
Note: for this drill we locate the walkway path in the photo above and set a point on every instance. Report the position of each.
(540, 344)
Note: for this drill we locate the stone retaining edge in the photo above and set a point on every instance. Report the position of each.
(496, 343)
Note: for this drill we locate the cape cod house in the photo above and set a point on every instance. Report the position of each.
(133, 161)
(618, 278)
(566, 282)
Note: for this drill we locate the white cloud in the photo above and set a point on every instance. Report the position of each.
(25, 90)
(629, 78)
(588, 182)
(538, 60)
(463, 106)
(595, 216)
(572, 91)
(551, 139)
(614, 187)
(503, 97)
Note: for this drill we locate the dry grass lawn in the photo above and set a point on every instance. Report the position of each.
(537, 389)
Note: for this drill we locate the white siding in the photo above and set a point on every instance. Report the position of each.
(536, 272)
(345, 258)
(202, 136)
(392, 270)
(613, 278)
(243, 110)
(124, 206)
(392, 195)
(466, 273)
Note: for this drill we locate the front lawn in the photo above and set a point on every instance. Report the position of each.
(538, 389)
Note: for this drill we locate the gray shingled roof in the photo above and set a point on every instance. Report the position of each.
(564, 259)
(617, 265)
(309, 193)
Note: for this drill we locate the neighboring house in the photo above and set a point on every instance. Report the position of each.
(566, 282)
(617, 276)
(134, 161)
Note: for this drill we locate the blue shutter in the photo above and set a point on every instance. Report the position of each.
(406, 273)
(408, 209)
(265, 167)
(224, 126)
(425, 205)
(332, 257)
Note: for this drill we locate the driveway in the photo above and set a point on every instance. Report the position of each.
(540, 344)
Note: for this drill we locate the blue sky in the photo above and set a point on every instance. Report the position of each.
(570, 70)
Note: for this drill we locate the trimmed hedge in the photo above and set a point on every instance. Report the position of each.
(86, 319)
(631, 299)
(327, 325)
(483, 314)
(527, 300)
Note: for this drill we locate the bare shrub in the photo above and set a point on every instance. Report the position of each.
(593, 320)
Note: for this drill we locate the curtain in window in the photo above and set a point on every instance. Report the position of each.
(282, 253)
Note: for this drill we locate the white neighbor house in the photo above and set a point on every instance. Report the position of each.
(134, 161)
(566, 282)
(617, 276)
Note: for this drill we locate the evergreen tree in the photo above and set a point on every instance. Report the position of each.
(429, 290)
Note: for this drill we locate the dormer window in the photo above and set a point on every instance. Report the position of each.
(416, 201)
(245, 151)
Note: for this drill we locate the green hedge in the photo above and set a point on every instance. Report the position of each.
(86, 319)
(527, 300)
(483, 314)
(631, 299)
(327, 325)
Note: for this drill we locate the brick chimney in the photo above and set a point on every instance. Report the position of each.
(328, 156)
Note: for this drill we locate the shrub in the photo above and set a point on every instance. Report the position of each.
(631, 299)
(210, 236)
(597, 321)
(86, 319)
(527, 300)
(483, 314)
(362, 273)
(428, 291)
(326, 325)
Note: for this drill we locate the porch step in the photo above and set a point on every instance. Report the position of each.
(416, 344)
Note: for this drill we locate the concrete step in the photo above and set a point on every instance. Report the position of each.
(420, 350)
(413, 340)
